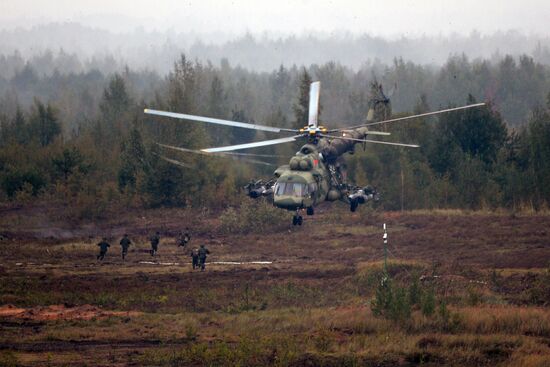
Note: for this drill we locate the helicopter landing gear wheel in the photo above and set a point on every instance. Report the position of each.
(309, 211)
(353, 205)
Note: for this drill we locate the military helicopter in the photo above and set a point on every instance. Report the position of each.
(316, 173)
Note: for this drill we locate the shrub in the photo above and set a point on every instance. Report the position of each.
(415, 292)
(323, 341)
(252, 217)
(474, 297)
(428, 303)
(8, 359)
(400, 309)
(31, 180)
(391, 302)
(191, 332)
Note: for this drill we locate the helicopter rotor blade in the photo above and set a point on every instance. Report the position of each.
(411, 117)
(371, 132)
(243, 159)
(173, 161)
(252, 145)
(313, 112)
(253, 155)
(371, 141)
(237, 154)
(224, 155)
(183, 116)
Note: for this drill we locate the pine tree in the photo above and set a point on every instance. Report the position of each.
(280, 86)
(183, 90)
(115, 100)
(216, 98)
(217, 101)
(44, 125)
(301, 108)
(20, 128)
(133, 160)
(68, 162)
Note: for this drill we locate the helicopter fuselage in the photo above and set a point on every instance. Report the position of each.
(306, 181)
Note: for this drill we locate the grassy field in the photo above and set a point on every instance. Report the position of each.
(486, 274)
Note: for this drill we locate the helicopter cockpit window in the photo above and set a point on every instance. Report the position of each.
(291, 189)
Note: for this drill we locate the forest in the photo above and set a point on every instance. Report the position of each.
(80, 139)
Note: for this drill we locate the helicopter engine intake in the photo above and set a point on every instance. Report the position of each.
(301, 163)
(259, 188)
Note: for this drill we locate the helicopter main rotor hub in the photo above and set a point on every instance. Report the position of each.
(312, 130)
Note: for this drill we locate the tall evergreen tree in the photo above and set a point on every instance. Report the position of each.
(20, 129)
(301, 107)
(217, 101)
(115, 100)
(44, 125)
(114, 104)
(217, 98)
(133, 160)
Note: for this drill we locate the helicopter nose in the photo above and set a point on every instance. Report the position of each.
(288, 203)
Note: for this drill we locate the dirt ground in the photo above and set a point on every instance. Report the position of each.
(296, 296)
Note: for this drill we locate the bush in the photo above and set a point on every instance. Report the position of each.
(8, 359)
(252, 217)
(428, 303)
(415, 292)
(391, 302)
(30, 180)
(323, 341)
(474, 297)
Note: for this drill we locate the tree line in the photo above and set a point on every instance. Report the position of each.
(153, 50)
(83, 139)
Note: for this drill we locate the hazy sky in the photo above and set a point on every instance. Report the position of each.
(386, 18)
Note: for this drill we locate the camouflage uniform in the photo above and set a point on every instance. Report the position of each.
(203, 251)
(125, 243)
(103, 247)
(195, 258)
(183, 239)
(155, 239)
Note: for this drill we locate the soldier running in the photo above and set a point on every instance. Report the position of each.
(195, 258)
(155, 239)
(183, 239)
(103, 247)
(203, 252)
(125, 243)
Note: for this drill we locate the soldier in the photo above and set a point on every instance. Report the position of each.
(125, 243)
(103, 246)
(203, 251)
(183, 239)
(195, 258)
(155, 239)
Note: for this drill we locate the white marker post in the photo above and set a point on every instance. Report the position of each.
(385, 238)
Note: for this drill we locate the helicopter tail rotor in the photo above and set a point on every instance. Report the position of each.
(379, 102)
